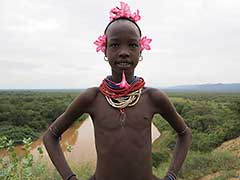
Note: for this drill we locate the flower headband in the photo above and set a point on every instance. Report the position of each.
(115, 13)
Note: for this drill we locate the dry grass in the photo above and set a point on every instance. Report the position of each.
(232, 146)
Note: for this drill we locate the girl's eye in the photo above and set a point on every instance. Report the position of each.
(133, 45)
(114, 45)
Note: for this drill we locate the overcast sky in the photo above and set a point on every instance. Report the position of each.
(49, 43)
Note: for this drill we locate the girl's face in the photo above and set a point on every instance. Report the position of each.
(123, 49)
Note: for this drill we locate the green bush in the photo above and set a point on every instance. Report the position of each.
(15, 167)
(200, 164)
(17, 133)
(204, 142)
(28, 114)
(159, 157)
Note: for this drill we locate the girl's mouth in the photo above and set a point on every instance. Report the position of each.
(124, 65)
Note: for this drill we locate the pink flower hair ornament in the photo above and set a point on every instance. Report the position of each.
(144, 43)
(115, 13)
(124, 11)
(101, 43)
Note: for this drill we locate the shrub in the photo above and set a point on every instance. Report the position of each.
(159, 157)
(200, 164)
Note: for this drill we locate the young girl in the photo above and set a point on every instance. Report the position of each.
(121, 109)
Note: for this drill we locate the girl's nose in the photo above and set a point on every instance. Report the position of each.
(124, 53)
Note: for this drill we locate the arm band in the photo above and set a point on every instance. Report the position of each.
(183, 132)
(53, 133)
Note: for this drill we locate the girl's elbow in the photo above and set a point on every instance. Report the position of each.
(45, 138)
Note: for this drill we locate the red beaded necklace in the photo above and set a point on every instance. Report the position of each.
(122, 95)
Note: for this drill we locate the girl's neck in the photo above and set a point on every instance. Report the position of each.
(117, 77)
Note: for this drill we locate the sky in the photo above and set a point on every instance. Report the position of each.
(48, 44)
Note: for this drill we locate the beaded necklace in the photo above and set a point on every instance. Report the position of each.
(122, 97)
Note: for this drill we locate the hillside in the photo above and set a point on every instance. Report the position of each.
(219, 87)
(232, 146)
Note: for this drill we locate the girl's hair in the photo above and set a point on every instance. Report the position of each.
(123, 18)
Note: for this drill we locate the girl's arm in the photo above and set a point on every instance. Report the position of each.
(168, 112)
(51, 138)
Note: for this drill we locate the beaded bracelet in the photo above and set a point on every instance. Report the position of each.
(70, 176)
(171, 175)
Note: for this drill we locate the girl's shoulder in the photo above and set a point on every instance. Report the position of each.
(155, 94)
(88, 95)
(93, 91)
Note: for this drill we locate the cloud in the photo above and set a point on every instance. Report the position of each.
(194, 41)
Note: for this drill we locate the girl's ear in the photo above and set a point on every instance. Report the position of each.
(105, 51)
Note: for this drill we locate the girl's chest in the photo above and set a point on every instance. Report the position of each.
(138, 116)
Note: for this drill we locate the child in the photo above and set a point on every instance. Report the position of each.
(121, 110)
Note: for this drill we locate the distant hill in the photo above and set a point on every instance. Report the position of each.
(43, 90)
(220, 87)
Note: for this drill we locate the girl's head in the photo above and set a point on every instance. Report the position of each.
(122, 43)
(122, 13)
(126, 19)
